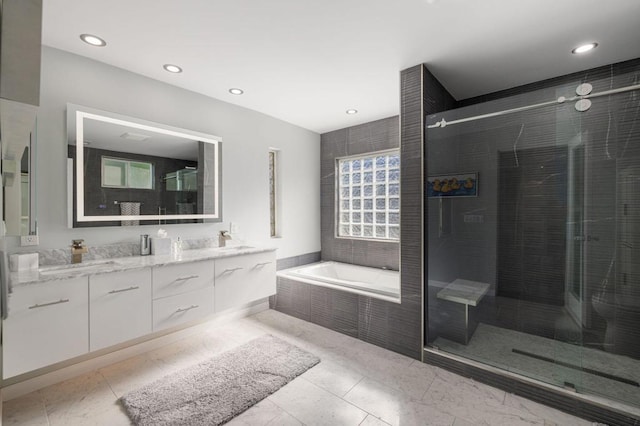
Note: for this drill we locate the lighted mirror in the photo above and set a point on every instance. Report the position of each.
(127, 171)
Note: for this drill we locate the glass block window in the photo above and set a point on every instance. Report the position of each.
(369, 196)
(119, 173)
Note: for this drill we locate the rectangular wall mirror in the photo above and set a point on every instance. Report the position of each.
(127, 171)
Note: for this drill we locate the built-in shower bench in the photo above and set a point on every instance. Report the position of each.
(460, 299)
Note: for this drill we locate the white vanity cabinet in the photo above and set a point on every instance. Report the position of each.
(47, 323)
(53, 319)
(182, 293)
(243, 279)
(119, 307)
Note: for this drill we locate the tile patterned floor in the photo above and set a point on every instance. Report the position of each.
(355, 384)
(497, 344)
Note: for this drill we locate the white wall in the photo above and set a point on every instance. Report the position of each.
(247, 135)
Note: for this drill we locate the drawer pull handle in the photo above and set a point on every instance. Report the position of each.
(187, 309)
(228, 271)
(261, 264)
(124, 289)
(42, 305)
(182, 279)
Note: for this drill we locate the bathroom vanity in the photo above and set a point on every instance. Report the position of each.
(61, 312)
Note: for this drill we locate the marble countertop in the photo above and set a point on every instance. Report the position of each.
(105, 266)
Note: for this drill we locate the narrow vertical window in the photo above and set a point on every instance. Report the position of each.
(273, 193)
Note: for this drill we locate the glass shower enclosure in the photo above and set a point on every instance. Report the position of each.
(536, 268)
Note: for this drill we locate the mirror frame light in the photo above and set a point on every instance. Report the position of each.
(76, 114)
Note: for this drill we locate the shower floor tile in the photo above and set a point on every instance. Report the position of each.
(591, 371)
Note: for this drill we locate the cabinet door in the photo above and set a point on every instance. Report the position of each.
(181, 278)
(119, 307)
(243, 279)
(182, 308)
(46, 323)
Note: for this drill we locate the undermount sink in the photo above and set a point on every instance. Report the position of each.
(61, 269)
(236, 247)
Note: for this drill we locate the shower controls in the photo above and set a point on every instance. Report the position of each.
(583, 105)
(584, 89)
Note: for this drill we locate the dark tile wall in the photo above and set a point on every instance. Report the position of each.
(293, 261)
(369, 137)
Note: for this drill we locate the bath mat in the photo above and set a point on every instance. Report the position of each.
(215, 391)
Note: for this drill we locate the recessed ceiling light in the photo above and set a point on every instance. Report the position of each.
(172, 68)
(351, 111)
(93, 40)
(236, 91)
(134, 136)
(584, 48)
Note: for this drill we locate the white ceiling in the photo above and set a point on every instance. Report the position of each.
(307, 61)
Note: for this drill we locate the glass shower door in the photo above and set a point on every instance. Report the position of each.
(549, 245)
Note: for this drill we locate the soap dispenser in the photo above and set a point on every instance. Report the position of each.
(145, 247)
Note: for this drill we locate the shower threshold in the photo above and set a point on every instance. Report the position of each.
(577, 367)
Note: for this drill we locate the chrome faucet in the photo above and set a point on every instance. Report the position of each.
(223, 236)
(77, 249)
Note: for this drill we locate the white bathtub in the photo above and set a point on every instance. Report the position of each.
(374, 282)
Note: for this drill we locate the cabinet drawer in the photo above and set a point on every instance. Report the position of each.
(176, 279)
(119, 307)
(175, 310)
(243, 279)
(46, 323)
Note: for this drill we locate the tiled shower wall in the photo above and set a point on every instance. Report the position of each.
(369, 137)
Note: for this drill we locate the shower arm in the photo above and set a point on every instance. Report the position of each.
(443, 123)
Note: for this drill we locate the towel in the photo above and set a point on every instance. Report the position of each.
(129, 208)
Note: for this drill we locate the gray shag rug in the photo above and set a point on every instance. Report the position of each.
(215, 391)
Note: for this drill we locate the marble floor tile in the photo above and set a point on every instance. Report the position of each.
(373, 421)
(85, 400)
(393, 406)
(334, 377)
(130, 374)
(181, 354)
(550, 415)
(462, 422)
(356, 383)
(25, 411)
(262, 414)
(313, 405)
(475, 402)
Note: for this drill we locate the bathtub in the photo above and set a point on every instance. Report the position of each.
(374, 282)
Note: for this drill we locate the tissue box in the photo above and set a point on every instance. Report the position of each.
(23, 262)
(160, 245)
